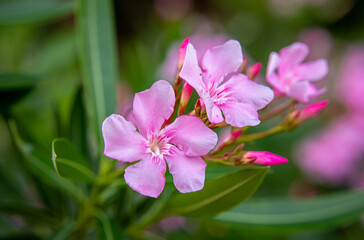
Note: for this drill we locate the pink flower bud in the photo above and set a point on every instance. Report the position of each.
(263, 158)
(308, 112)
(182, 52)
(185, 97)
(254, 70)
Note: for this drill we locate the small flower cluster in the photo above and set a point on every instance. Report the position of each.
(152, 138)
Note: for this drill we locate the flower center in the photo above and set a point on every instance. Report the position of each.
(157, 144)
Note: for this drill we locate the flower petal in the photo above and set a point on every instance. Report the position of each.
(245, 90)
(291, 56)
(153, 106)
(191, 135)
(190, 71)
(221, 60)
(122, 141)
(312, 71)
(147, 176)
(188, 172)
(303, 90)
(240, 114)
(271, 75)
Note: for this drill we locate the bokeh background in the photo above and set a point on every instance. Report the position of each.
(38, 45)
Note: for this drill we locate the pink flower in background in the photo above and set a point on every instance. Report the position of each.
(202, 42)
(288, 74)
(318, 40)
(180, 144)
(351, 84)
(222, 88)
(334, 155)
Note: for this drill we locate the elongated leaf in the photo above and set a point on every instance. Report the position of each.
(219, 194)
(69, 161)
(33, 11)
(292, 215)
(38, 162)
(14, 82)
(98, 58)
(28, 213)
(108, 229)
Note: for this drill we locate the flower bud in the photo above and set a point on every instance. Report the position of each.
(182, 53)
(198, 108)
(185, 97)
(263, 158)
(300, 116)
(254, 70)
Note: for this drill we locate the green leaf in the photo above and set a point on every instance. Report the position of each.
(98, 59)
(32, 215)
(39, 164)
(219, 194)
(294, 215)
(108, 229)
(14, 87)
(69, 162)
(33, 11)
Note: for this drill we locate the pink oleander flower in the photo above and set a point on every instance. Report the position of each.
(263, 158)
(334, 155)
(180, 144)
(351, 84)
(288, 74)
(222, 88)
(202, 42)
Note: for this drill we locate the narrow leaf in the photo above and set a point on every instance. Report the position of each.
(294, 215)
(98, 59)
(108, 229)
(69, 161)
(219, 194)
(33, 11)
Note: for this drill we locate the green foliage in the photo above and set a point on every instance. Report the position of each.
(98, 59)
(277, 215)
(33, 11)
(69, 162)
(219, 194)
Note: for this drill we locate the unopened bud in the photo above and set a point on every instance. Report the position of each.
(182, 53)
(263, 158)
(254, 70)
(185, 97)
(198, 108)
(300, 116)
(227, 140)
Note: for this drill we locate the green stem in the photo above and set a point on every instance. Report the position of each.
(278, 110)
(270, 132)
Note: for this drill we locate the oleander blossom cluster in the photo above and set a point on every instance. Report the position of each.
(150, 137)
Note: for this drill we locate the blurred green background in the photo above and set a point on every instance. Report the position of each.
(41, 90)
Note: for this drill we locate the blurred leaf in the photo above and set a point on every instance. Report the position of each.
(38, 162)
(15, 82)
(64, 232)
(98, 59)
(219, 194)
(278, 215)
(13, 87)
(108, 229)
(30, 214)
(69, 161)
(33, 11)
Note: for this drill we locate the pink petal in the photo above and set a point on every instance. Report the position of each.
(190, 71)
(212, 110)
(191, 135)
(122, 141)
(265, 158)
(291, 56)
(240, 114)
(247, 91)
(147, 176)
(221, 60)
(271, 75)
(301, 91)
(312, 71)
(188, 172)
(153, 106)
